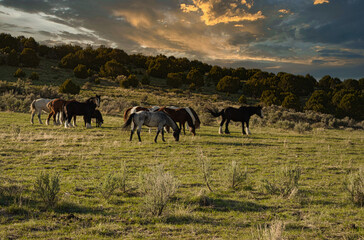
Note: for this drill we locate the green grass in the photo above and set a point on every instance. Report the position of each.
(320, 210)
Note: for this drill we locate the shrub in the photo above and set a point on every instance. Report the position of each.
(354, 184)
(291, 101)
(69, 87)
(29, 58)
(80, 71)
(145, 80)
(47, 188)
(131, 81)
(234, 176)
(158, 187)
(109, 184)
(13, 58)
(272, 232)
(269, 98)
(205, 166)
(302, 127)
(34, 76)
(228, 84)
(194, 76)
(285, 184)
(242, 99)
(113, 69)
(174, 80)
(19, 73)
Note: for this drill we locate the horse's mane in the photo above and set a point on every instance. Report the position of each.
(171, 120)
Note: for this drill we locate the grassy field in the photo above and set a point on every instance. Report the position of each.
(321, 209)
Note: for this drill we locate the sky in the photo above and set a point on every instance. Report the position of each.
(319, 37)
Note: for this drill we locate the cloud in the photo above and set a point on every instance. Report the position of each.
(316, 2)
(218, 11)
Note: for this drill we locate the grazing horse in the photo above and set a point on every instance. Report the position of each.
(151, 119)
(183, 115)
(38, 106)
(97, 115)
(241, 114)
(134, 109)
(84, 109)
(56, 108)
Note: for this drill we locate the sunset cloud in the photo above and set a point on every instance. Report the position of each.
(316, 2)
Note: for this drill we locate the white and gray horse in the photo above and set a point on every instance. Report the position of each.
(151, 119)
(38, 106)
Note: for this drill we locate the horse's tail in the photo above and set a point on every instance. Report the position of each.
(32, 106)
(50, 105)
(215, 112)
(195, 118)
(126, 113)
(129, 121)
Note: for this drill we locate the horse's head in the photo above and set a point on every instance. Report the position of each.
(259, 111)
(97, 100)
(176, 134)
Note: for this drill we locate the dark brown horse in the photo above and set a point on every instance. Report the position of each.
(181, 116)
(241, 114)
(56, 108)
(97, 115)
(85, 109)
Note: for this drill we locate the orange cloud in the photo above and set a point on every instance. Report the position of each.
(320, 2)
(134, 18)
(233, 14)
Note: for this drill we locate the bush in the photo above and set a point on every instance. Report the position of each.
(80, 71)
(131, 81)
(19, 73)
(234, 176)
(302, 127)
(34, 76)
(109, 185)
(13, 58)
(269, 98)
(355, 186)
(285, 184)
(145, 80)
(113, 69)
(47, 188)
(69, 87)
(194, 76)
(291, 101)
(242, 99)
(158, 187)
(29, 58)
(174, 80)
(228, 84)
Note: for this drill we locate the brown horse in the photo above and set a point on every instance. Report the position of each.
(182, 115)
(56, 107)
(134, 109)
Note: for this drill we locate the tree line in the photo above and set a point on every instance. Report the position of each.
(327, 95)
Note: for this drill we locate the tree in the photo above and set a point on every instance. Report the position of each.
(13, 58)
(158, 67)
(80, 71)
(269, 97)
(328, 83)
(175, 79)
(291, 101)
(130, 81)
(113, 69)
(69, 61)
(352, 105)
(242, 99)
(194, 76)
(215, 74)
(228, 84)
(319, 102)
(29, 58)
(19, 73)
(69, 87)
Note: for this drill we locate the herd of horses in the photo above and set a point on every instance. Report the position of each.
(163, 118)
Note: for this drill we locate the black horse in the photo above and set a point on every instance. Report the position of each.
(97, 115)
(241, 114)
(85, 109)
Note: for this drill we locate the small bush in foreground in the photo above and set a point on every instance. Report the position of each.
(158, 187)
(285, 184)
(272, 232)
(355, 186)
(109, 185)
(34, 76)
(234, 175)
(19, 73)
(47, 188)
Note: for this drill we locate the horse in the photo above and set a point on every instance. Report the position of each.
(241, 114)
(37, 106)
(183, 115)
(134, 109)
(151, 119)
(97, 115)
(84, 109)
(56, 108)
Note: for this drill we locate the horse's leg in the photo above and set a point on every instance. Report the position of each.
(54, 117)
(132, 131)
(182, 125)
(242, 127)
(74, 121)
(138, 132)
(39, 113)
(247, 128)
(156, 136)
(227, 126)
(87, 121)
(221, 124)
(163, 135)
(31, 119)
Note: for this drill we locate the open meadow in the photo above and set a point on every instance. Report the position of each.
(319, 206)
